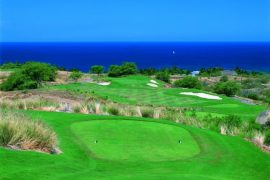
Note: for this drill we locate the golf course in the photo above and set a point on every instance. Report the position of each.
(134, 90)
(102, 147)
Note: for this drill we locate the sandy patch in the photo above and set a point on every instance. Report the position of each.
(104, 83)
(153, 82)
(202, 95)
(152, 85)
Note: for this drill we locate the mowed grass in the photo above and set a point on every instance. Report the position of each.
(134, 90)
(219, 157)
(135, 140)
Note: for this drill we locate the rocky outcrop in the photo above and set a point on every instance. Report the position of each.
(263, 118)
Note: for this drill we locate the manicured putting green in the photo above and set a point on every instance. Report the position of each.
(135, 140)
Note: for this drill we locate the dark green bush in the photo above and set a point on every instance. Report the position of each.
(29, 76)
(267, 138)
(18, 81)
(39, 72)
(188, 82)
(216, 71)
(163, 76)
(229, 88)
(253, 96)
(75, 75)
(113, 111)
(97, 69)
(114, 71)
(127, 68)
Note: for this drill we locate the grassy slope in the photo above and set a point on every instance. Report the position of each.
(133, 90)
(220, 157)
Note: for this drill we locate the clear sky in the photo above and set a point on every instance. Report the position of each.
(135, 20)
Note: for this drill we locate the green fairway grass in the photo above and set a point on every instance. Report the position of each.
(134, 90)
(135, 140)
(211, 156)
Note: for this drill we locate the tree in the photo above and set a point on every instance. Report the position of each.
(29, 76)
(128, 68)
(228, 88)
(96, 69)
(75, 75)
(114, 71)
(163, 76)
(18, 81)
(39, 72)
(188, 82)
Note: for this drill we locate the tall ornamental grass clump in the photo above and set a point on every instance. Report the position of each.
(18, 131)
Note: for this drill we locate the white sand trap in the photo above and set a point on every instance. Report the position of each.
(152, 85)
(104, 83)
(202, 95)
(153, 82)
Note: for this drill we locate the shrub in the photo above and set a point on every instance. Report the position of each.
(10, 65)
(39, 72)
(29, 76)
(127, 68)
(188, 82)
(229, 88)
(216, 71)
(250, 84)
(77, 109)
(163, 76)
(224, 79)
(147, 112)
(75, 75)
(18, 81)
(20, 132)
(97, 69)
(113, 111)
(231, 121)
(267, 138)
(114, 71)
(253, 96)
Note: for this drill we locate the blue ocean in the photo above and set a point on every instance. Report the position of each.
(251, 56)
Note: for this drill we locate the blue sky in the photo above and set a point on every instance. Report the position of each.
(135, 20)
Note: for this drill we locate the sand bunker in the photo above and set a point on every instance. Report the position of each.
(202, 95)
(152, 85)
(104, 83)
(153, 82)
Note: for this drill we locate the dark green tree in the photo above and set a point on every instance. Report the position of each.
(97, 69)
(29, 76)
(188, 82)
(128, 68)
(163, 76)
(114, 71)
(228, 88)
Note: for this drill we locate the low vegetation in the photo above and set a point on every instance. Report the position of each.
(19, 132)
(188, 82)
(29, 76)
(127, 68)
(75, 75)
(163, 76)
(97, 69)
(228, 88)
